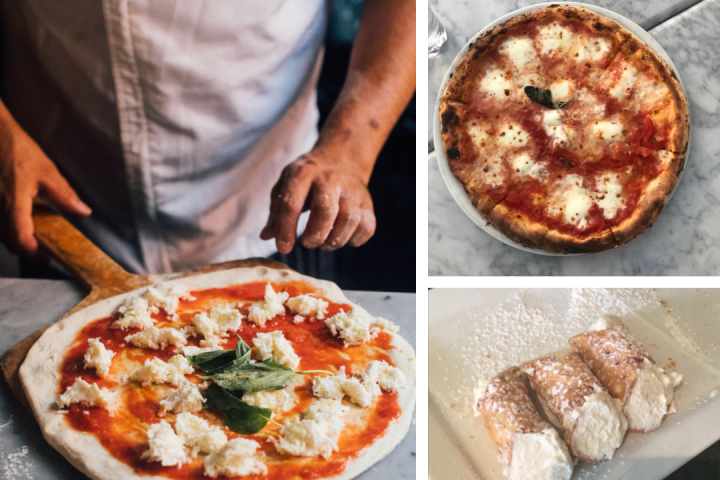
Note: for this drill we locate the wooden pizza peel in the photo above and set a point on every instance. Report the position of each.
(97, 272)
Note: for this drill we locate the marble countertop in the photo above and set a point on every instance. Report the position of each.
(684, 240)
(27, 305)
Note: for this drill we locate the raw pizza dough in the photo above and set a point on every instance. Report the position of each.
(40, 375)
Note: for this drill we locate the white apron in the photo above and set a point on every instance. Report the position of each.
(172, 118)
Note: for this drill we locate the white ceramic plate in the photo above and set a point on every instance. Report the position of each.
(455, 187)
(680, 324)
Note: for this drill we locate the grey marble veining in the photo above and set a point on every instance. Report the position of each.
(685, 239)
(27, 305)
(464, 18)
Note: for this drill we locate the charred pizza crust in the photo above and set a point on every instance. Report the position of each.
(488, 178)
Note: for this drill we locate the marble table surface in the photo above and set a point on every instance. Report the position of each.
(684, 240)
(27, 305)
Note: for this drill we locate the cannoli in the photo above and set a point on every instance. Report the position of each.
(529, 447)
(593, 421)
(628, 372)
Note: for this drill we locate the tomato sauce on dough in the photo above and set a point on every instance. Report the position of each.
(123, 432)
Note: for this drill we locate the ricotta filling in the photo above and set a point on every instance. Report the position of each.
(599, 427)
(265, 310)
(651, 397)
(539, 456)
(275, 346)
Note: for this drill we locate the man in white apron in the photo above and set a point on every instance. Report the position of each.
(163, 126)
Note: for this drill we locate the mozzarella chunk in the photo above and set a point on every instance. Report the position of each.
(337, 386)
(307, 305)
(275, 400)
(608, 130)
(157, 338)
(554, 38)
(133, 313)
(192, 350)
(494, 83)
(593, 50)
(236, 458)
(98, 357)
(521, 51)
(523, 165)
(553, 127)
(156, 371)
(198, 434)
(627, 80)
(275, 346)
(166, 296)
(561, 91)
(218, 322)
(610, 197)
(314, 432)
(479, 136)
(264, 310)
(298, 319)
(186, 398)
(512, 135)
(88, 395)
(357, 326)
(379, 375)
(165, 447)
(572, 201)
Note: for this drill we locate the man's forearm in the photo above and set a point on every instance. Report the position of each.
(379, 84)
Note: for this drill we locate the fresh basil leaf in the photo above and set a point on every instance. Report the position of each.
(212, 362)
(255, 377)
(543, 97)
(242, 350)
(239, 416)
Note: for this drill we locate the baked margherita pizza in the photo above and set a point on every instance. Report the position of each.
(246, 373)
(567, 132)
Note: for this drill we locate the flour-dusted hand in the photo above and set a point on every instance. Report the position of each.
(331, 180)
(341, 210)
(25, 171)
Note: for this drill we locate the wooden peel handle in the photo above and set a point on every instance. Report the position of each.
(82, 258)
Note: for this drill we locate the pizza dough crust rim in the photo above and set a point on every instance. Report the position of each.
(39, 375)
(529, 233)
(651, 202)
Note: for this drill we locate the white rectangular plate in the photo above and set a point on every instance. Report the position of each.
(479, 332)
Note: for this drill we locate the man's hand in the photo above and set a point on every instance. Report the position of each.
(26, 171)
(341, 210)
